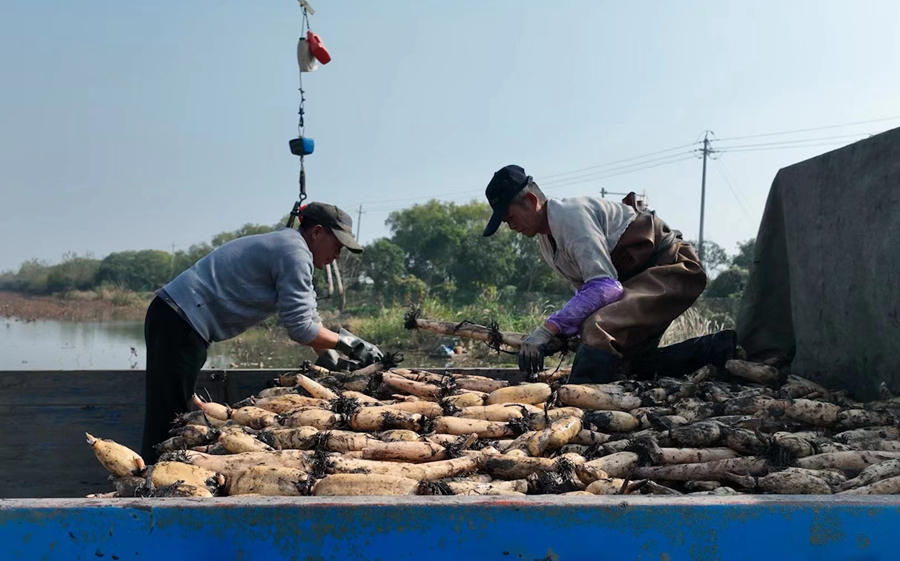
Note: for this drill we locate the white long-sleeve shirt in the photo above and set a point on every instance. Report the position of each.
(586, 230)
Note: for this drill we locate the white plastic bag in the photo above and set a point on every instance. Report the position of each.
(305, 60)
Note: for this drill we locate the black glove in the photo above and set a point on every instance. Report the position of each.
(531, 355)
(334, 362)
(329, 359)
(363, 352)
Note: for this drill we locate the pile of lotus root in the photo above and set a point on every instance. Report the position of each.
(752, 428)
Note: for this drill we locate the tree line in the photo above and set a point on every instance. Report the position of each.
(434, 249)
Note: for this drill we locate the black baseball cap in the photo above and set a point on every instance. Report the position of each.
(334, 218)
(503, 188)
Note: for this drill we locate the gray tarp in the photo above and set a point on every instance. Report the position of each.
(825, 281)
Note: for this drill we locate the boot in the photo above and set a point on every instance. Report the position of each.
(593, 366)
(688, 356)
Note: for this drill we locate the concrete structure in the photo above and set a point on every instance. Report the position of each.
(824, 282)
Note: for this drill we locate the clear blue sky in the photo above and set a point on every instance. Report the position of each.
(131, 125)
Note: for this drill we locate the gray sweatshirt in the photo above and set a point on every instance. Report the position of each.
(586, 230)
(247, 280)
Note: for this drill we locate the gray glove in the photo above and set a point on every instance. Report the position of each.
(531, 355)
(363, 352)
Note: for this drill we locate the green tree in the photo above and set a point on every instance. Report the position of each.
(744, 257)
(729, 284)
(445, 291)
(32, 277)
(407, 290)
(245, 230)
(185, 259)
(714, 256)
(382, 261)
(533, 274)
(443, 242)
(429, 235)
(483, 262)
(351, 265)
(137, 270)
(74, 273)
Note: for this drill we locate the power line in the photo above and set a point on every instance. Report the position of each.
(783, 142)
(593, 177)
(541, 180)
(836, 144)
(737, 199)
(683, 159)
(729, 176)
(603, 173)
(640, 163)
(392, 208)
(619, 161)
(623, 172)
(810, 129)
(417, 198)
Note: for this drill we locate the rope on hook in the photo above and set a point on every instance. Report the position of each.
(309, 50)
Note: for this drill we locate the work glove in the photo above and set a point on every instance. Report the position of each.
(531, 355)
(363, 352)
(329, 359)
(334, 362)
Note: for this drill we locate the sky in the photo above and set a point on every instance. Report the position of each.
(136, 125)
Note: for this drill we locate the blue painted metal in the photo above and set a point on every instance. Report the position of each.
(454, 528)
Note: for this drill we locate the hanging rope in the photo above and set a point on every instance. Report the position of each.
(301, 127)
(301, 124)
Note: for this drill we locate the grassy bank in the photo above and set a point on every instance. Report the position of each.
(385, 327)
(386, 324)
(268, 345)
(102, 304)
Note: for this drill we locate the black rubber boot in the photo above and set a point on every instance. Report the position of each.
(688, 356)
(593, 366)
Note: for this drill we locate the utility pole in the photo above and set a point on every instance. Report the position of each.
(706, 152)
(172, 262)
(640, 200)
(359, 214)
(604, 192)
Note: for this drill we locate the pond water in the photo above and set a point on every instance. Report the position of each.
(73, 345)
(119, 345)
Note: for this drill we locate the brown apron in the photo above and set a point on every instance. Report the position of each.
(662, 278)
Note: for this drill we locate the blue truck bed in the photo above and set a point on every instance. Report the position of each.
(755, 528)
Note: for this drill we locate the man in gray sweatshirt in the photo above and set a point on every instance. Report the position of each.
(235, 287)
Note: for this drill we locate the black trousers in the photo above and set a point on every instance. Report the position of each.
(175, 355)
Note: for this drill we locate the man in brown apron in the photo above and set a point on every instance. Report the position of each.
(633, 276)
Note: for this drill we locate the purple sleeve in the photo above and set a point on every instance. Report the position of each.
(595, 294)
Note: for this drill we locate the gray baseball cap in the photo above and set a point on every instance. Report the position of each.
(334, 218)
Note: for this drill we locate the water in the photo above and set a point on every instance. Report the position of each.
(71, 345)
(119, 345)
